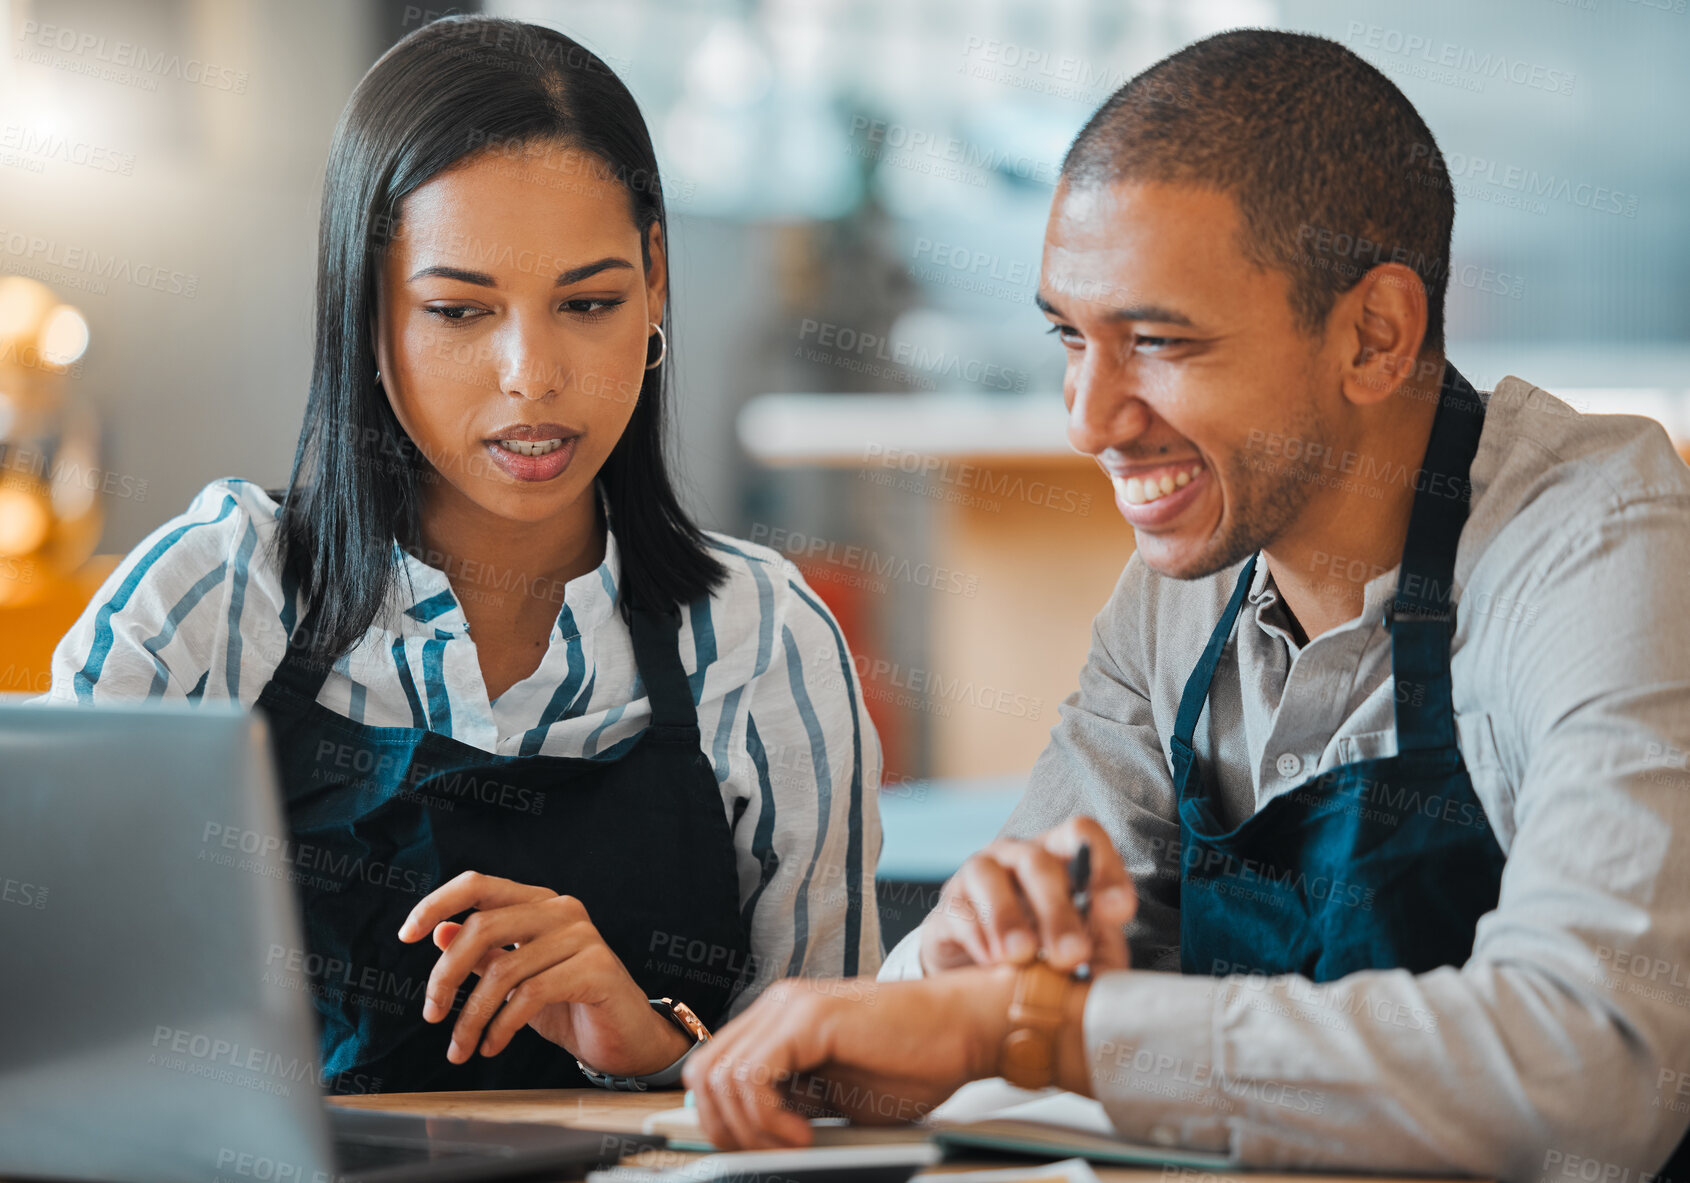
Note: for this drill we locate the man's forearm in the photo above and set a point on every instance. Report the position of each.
(1482, 1071)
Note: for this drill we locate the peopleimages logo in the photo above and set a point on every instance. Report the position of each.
(127, 55)
(85, 260)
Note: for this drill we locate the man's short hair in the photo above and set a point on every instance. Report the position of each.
(1333, 170)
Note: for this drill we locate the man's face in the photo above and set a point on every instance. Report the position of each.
(1181, 351)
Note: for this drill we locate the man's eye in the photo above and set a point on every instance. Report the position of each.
(1067, 334)
(1154, 344)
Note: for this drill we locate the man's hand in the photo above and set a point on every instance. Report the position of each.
(1010, 902)
(877, 1052)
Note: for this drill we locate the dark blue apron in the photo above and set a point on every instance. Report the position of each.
(380, 816)
(1379, 864)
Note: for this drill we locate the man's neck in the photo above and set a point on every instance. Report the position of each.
(1353, 529)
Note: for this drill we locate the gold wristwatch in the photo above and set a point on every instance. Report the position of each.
(1036, 1014)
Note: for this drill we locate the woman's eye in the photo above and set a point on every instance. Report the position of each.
(455, 312)
(592, 308)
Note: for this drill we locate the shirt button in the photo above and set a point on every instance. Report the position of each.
(1289, 764)
(1164, 1135)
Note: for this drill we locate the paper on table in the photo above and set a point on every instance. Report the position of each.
(1069, 1170)
(997, 1116)
(987, 1115)
(680, 1127)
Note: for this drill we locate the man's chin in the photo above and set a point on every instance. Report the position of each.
(1184, 558)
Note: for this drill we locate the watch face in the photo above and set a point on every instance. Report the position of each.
(681, 1014)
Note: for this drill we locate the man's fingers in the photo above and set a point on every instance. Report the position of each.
(992, 898)
(1042, 879)
(748, 1108)
(743, 1072)
(951, 936)
(1114, 902)
(461, 893)
(1108, 872)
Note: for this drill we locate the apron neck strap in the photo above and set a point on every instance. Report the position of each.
(1197, 686)
(301, 671)
(1421, 616)
(657, 652)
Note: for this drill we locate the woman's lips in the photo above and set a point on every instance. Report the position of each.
(533, 460)
(1141, 497)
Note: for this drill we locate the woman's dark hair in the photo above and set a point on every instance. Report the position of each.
(455, 88)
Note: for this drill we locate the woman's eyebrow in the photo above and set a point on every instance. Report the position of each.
(482, 279)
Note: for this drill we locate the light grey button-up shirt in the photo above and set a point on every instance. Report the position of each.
(1561, 1050)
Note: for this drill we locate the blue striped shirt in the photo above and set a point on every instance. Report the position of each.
(200, 610)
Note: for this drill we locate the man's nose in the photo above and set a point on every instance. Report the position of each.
(1103, 410)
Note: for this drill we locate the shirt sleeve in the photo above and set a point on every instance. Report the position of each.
(192, 612)
(1105, 761)
(813, 818)
(1560, 1049)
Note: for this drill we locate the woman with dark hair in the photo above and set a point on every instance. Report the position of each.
(567, 778)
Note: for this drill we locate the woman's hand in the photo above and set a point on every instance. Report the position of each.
(877, 1052)
(1010, 902)
(541, 962)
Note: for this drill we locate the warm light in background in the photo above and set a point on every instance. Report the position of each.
(50, 517)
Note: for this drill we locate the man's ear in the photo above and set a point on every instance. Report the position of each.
(656, 274)
(1384, 318)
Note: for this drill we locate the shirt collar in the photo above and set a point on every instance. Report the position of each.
(1375, 594)
(424, 601)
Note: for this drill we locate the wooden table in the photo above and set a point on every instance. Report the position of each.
(624, 1112)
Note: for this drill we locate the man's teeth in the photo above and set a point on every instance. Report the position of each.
(1143, 492)
(530, 447)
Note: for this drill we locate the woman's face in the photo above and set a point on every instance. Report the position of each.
(512, 324)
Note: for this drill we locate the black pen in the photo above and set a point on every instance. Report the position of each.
(1079, 890)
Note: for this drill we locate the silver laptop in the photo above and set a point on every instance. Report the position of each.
(145, 1036)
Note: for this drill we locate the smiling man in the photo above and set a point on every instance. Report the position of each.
(1379, 751)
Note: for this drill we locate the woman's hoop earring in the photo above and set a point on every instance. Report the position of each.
(663, 341)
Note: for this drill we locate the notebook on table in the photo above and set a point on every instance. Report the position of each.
(989, 1115)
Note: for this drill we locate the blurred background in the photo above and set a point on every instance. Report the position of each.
(857, 193)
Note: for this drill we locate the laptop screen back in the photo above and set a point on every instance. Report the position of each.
(143, 891)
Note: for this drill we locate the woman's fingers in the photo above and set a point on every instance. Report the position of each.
(469, 890)
(484, 933)
(517, 1005)
(444, 932)
(519, 983)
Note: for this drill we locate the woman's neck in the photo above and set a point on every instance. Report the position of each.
(505, 570)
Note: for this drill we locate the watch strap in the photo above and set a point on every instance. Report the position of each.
(681, 1015)
(1037, 1010)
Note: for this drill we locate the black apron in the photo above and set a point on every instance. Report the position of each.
(380, 816)
(1379, 864)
